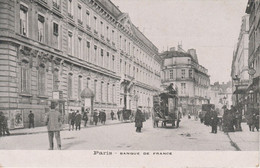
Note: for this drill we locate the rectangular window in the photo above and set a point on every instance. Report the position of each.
(79, 86)
(56, 4)
(55, 29)
(23, 20)
(25, 77)
(88, 18)
(107, 33)
(183, 73)
(70, 8)
(190, 74)
(102, 57)
(88, 50)
(113, 94)
(41, 28)
(56, 35)
(79, 13)
(70, 86)
(101, 91)
(80, 47)
(171, 74)
(113, 36)
(113, 63)
(95, 89)
(41, 80)
(101, 28)
(95, 23)
(107, 93)
(183, 88)
(95, 54)
(108, 61)
(70, 43)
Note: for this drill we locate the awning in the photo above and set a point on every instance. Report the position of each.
(254, 85)
(241, 89)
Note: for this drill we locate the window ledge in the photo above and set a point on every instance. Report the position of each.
(25, 94)
(43, 96)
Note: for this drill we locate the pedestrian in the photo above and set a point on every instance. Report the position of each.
(118, 115)
(31, 119)
(53, 122)
(139, 119)
(214, 121)
(85, 117)
(178, 117)
(95, 116)
(78, 120)
(189, 117)
(104, 117)
(1, 122)
(73, 118)
(5, 126)
(112, 114)
(70, 118)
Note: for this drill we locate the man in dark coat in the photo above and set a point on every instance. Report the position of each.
(2, 118)
(85, 117)
(78, 120)
(214, 121)
(139, 118)
(95, 117)
(112, 114)
(31, 119)
(118, 115)
(73, 118)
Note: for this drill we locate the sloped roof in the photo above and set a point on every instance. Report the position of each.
(170, 54)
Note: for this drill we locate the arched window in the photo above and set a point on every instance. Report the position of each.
(79, 85)
(56, 80)
(42, 79)
(25, 77)
(70, 87)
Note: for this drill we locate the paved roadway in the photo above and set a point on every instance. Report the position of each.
(191, 136)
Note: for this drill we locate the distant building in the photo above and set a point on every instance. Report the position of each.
(239, 69)
(253, 9)
(55, 49)
(184, 71)
(220, 95)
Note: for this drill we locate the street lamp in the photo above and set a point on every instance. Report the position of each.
(236, 81)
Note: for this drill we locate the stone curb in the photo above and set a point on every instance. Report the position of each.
(64, 129)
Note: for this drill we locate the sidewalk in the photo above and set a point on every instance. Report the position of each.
(43, 129)
(246, 140)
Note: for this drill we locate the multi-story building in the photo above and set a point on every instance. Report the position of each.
(55, 49)
(253, 9)
(192, 80)
(239, 69)
(220, 95)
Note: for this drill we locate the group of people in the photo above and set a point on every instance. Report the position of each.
(3, 125)
(99, 116)
(75, 117)
(252, 118)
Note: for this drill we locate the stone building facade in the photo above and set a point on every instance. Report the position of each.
(192, 80)
(54, 49)
(239, 68)
(253, 9)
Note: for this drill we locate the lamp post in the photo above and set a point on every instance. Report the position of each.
(236, 81)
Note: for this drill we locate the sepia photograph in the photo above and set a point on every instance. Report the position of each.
(130, 78)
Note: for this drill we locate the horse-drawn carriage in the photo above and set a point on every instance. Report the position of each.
(165, 109)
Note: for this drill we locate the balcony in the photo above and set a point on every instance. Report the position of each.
(56, 6)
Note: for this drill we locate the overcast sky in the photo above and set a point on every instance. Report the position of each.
(209, 26)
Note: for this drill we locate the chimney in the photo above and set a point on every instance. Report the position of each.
(172, 49)
(193, 53)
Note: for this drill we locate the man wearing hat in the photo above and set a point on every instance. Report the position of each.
(139, 118)
(95, 117)
(53, 122)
